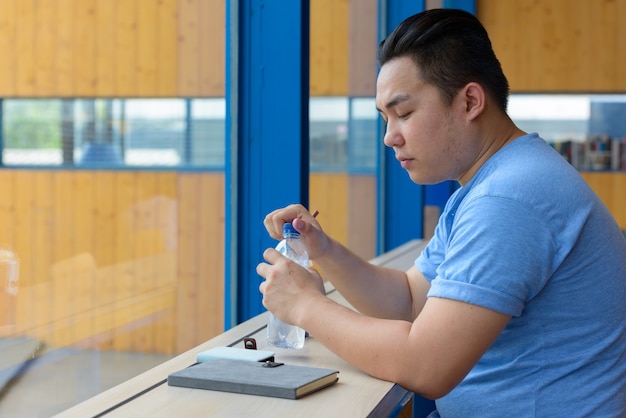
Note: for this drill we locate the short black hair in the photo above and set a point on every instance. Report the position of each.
(451, 48)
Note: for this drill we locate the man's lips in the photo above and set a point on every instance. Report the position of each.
(404, 161)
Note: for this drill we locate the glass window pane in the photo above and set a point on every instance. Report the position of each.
(587, 129)
(113, 133)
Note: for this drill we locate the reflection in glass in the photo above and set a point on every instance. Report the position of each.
(587, 129)
(114, 132)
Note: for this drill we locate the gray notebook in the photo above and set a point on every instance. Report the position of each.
(254, 378)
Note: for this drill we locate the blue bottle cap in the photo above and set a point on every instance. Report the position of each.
(288, 229)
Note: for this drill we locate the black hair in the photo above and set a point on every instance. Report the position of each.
(450, 48)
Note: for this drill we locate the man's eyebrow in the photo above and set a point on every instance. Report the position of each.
(396, 100)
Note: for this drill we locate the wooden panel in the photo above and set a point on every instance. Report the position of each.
(329, 193)
(189, 47)
(363, 27)
(126, 47)
(147, 242)
(362, 218)
(64, 56)
(329, 48)
(167, 54)
(7, 208)
(210, 244)
(7, 44)
(347, 205)
(39, 258)
(104, 45)
(147, 56)
(212, 47)
(64, 250)
(114, 259)
(45, 47)
(85, 52)
(124, 250)
(27, 309)
(558, 45)
(611, 188)
(23, 56)
(167, 222)
(8, 302)
(103, 246)
(123, 48)
(188, 253)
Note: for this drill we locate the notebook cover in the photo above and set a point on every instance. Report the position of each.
(254, 378)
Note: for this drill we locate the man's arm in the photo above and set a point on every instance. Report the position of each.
(374, 290)
(429, 356)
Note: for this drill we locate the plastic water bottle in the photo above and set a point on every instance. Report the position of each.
(280, 334)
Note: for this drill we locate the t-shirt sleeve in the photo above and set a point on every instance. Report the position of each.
(495, 253)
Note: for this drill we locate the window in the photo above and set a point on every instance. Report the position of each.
(113, 133)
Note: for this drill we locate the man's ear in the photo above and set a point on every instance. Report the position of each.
(475, 97)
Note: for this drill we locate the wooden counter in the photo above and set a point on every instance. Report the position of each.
(356, 394)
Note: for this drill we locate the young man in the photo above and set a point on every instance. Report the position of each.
(517, 306)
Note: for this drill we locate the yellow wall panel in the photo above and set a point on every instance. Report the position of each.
(210, 244)
(167, 44)
(7, 44)
(23, 55)
(105, 16)
(126, 47)
(212, 51)
(610, 188)
(166, 222)
(363, 38)
(188, 252)
(558, 45)
(189, 47)
(45, 47)
(147, 48)
(64, 56)
(7, 208)
(115, 259)
(329, 48)
(124, 251)
(329, 194)
(147, 243)
(85, 52)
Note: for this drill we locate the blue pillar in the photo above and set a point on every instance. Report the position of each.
(267, 135)
(400, 201)
(467, 5)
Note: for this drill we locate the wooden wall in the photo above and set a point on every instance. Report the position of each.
(124, 260)
(111, 48)
(611, 187)
(165, 48)
(133, 260)
(559, 45)
(343, 43)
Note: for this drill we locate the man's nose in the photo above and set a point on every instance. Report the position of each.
(392, 135)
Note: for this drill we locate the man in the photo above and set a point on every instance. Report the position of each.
(517, 306)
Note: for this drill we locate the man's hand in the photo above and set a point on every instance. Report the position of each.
(288, 288)
(315, 240)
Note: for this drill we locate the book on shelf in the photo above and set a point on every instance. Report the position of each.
(596, 152)
(255, 378)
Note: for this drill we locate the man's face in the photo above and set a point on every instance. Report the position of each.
(422, 130)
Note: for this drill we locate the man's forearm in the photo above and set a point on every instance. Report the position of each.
(373, 290)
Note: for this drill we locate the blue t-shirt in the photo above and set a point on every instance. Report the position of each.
(527, 237)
